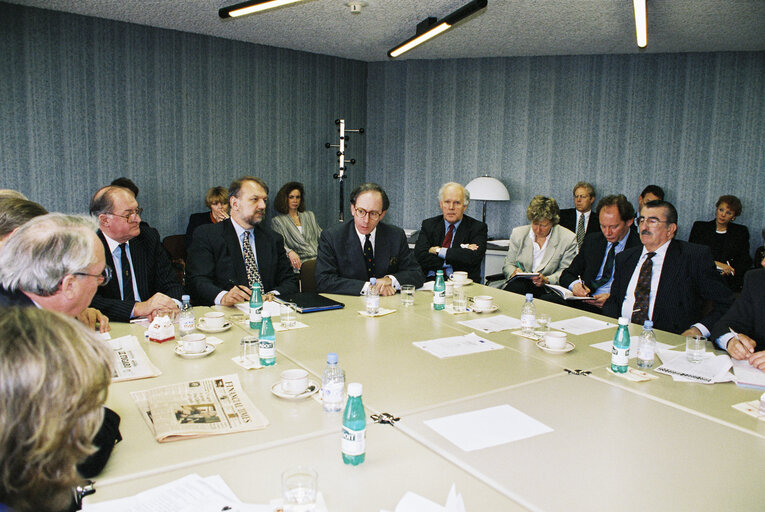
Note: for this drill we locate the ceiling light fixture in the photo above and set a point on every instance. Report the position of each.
(244, 8)
(431, 27)
(641, 23)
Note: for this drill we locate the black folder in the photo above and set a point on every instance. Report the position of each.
(307, 302)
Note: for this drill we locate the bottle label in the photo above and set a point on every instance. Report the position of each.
(645, 351)
(528, 321)
(620, 356)
(332, 392)
(187, 323)
(439, 297)
(255, 314)
(266, 349)
(354, 441)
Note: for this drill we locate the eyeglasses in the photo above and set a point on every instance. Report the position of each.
(131, 214)
(103, 278)
(582, 196)
(651, 221)
(361, 213)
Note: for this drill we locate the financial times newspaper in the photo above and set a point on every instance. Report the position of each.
(216, 405)
(130, 362)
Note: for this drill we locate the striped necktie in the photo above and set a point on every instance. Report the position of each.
(643, 291)
(250, 264)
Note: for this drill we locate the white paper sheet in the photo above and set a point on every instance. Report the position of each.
(747, 376)
(581, 325)
(412, 502)
(710, 370)
(457, 345)
(494, 323)
(608, 345)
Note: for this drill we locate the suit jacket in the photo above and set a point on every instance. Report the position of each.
(735, 248)
(14, 298)
(587, 263)
(470, 231)
(746, 315)
(153, 274)
(196, 220)
(559, 254)
(568, 221)
(688, 278)
(340, 264)
(215, 262)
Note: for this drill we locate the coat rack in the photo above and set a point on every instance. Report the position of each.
(341, 160)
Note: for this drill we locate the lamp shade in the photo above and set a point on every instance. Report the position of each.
(485, 188)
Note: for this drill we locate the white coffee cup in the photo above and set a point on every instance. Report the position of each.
(483, 302)
(459, 276)
(194, 343)
(214, 319)
(555, 340)
(294, 381)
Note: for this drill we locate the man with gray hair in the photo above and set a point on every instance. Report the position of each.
(580, 219)
(14, 212)
(452, 241)
(55, 262)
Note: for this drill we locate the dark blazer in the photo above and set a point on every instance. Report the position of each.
(14, 298)
(215, 263)
(340, 264)
(735, 248)
(196, 220)
(153, 274)
(688, 278)
(568, 221)
(746, 315)
(470, 231)
(590, 257)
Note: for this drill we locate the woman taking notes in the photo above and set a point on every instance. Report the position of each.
(296, 225)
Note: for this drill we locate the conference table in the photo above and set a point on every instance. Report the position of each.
(611, 443)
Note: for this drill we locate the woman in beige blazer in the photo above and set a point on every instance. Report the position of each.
(543, 247)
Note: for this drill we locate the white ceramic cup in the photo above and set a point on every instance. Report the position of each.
(483, 302)
(555, 340)
(214, 320)
(459, 277)
(294, 381)
(194, 343)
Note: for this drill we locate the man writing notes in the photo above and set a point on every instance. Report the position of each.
(741, 331)
(145, 283)
(580, 219)
(592, 271)
(667, 280)
(353, 252)
(226, 258)
(452, 241)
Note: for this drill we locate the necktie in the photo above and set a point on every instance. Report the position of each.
(249, 261)
(643, 291)
(448, 238)
(608, 269)
(369, 257)
(580, 231)
(127, 278)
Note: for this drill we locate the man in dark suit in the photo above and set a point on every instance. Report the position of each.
(667, 280)
(145, 284)
(226, 258)
(747, 320)
(452, 241)
(580, 219)
(351, 253)
(592, 271)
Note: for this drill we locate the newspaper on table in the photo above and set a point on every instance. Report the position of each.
(130, 362)
(204, 407)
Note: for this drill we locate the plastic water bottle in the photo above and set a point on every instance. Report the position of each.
(646, 346)
(186, 318)
(354, 427)
(256, 306)
(332, 385)
(439, 292)
(620, 353)
(528, 315)
(267, 341)
(373, 297)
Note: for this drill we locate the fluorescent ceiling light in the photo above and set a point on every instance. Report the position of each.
(641, 23)
(244, 8)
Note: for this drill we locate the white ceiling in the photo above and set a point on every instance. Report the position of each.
(505, 28)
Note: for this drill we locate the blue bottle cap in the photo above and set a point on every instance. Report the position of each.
(331, 358)
(185, 297)
(648, 324)
(529, 297)
(373, 281)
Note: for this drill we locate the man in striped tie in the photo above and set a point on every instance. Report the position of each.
(580, 219)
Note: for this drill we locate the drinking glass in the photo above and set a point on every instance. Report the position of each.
(407, 295)
(459, 299)
(695, 347)
(299, 487)
(249, 346)
(544, 323)
(287, 315)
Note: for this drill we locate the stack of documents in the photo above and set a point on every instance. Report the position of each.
(710, 370)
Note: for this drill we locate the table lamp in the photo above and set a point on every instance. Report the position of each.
(485, 188)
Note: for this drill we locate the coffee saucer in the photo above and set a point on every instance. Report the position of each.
(209, 349)
(568, 348)
(312, 388)
(210, 330)
(464, 283)
(492, 309)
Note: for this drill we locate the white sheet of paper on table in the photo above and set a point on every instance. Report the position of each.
(484, 428)
(457, 345)
(747, 375)
(608, 345)
(494, 323)
(712, 369)
(413, 502)
(580, 325)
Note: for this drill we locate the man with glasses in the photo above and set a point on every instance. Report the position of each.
(351, 253)
(145, 284)
(669, 281)
(580, 219)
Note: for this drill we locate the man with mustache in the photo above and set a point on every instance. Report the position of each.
(226, 258)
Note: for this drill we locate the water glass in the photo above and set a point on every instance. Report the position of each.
(459, 299)
(407, 295)
(299, 486)
(287, 315)
(695, 348)
(249, 346)
(544, 323)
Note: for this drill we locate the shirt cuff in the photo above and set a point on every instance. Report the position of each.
(394, 282)
(704, 331)
(723, 340)
(365, 288)
(442, 253)
(571, 286)
(219, 297)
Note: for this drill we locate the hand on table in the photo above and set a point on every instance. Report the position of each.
(741, 346)
(294, 260)
(91, 316)
(239, 293)
(385, 286)
(693, 331)
(158, 304)
(757, 360)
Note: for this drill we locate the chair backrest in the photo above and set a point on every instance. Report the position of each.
(175, 245)
(307, 279)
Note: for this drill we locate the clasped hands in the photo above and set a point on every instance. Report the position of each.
(435, 249)
(158, 305)
(384, 286)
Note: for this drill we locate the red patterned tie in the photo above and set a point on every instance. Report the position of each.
(448, 238)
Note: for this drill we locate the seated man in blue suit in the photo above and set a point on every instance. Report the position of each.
(226, 258)
(351, 253)
(451, 241)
